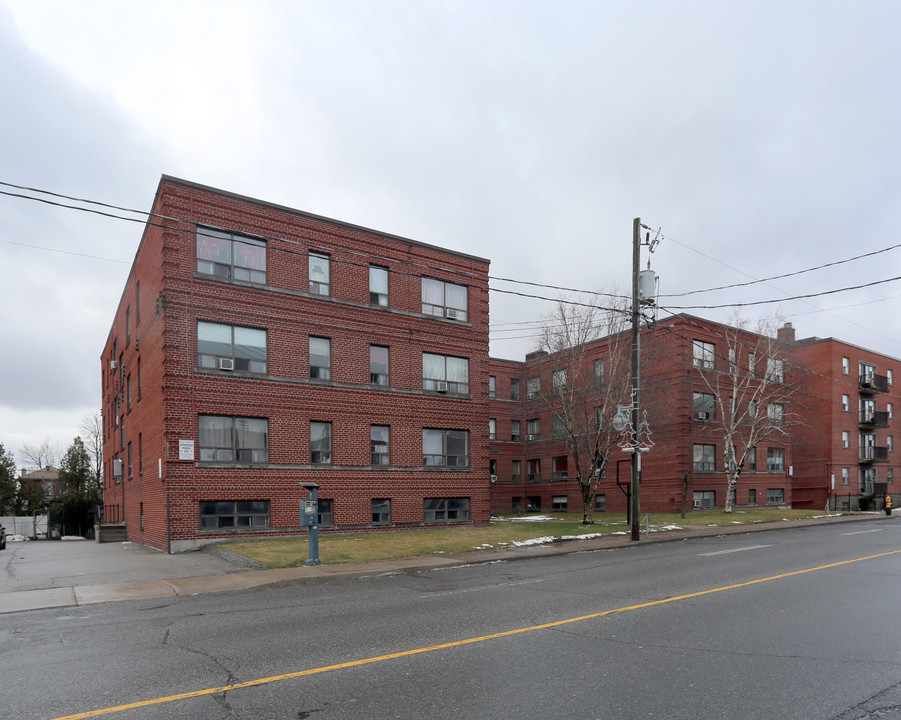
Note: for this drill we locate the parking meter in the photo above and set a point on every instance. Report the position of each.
(309, 517)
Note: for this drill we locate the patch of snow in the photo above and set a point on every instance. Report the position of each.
(71, 537)
(16, 538)
(737, 522)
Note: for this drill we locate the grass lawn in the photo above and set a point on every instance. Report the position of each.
(502, 532)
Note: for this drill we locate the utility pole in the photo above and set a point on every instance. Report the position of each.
(636, 352)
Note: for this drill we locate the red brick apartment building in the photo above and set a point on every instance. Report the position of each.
(529, 464)
(846, 450)
(256, 347)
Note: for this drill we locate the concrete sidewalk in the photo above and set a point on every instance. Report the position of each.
(47, 574)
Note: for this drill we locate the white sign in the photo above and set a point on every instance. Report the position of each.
(185, 449)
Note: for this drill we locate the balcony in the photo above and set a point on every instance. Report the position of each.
(874, 418)
(871, 383)
(534, 477)
(872, 454)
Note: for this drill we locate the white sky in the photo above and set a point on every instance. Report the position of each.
(762, 137)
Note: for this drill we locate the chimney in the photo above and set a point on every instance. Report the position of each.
(786, 333)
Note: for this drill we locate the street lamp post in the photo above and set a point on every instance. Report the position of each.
(636, 353)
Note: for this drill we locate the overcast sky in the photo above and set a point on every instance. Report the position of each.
(761, 137)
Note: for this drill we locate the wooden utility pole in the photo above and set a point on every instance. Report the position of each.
(636, 352)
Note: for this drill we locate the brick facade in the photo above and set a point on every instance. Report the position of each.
(156, 385)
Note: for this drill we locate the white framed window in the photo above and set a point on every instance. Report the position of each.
(443, 373)
(846, 366)
(846, 403)
(533, 429)
(445, 299)
(514, 430)
(378, 286)
(890, 443)
(703, 354)
(228, 347)
(559, 503)
(492, 428)
(381, 512)
(703, 406)
(558, 379)
(560, 467)
(229, 256)
(752, 459)
(445, 448)
(846, 476)
(321, 443)
(705, 458)
(378, 364)
(320, 358)
(775, 460)
(223, 438)
(320, 274)
(533, 388)
(704, 498)
(599, 370)
(492, 386)
(890, 409)
(890, 376)
(775, 370)
(846, 439)
(380, 445)
(775, 414)
(514, 389)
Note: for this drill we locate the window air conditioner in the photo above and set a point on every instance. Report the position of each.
(441, 386)
(494, 478)
(226, 364)
(450, 313)
(530, 438)
(697, 503)
(112, 364)
(702, 416)
(117, 468)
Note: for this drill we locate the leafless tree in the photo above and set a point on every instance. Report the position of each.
(92, 434)
(750, 390)
(40, 456)
(589, 362)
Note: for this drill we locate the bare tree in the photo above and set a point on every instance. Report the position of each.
(749, 390)
(40, 456)
(589, 362)
(92, 433)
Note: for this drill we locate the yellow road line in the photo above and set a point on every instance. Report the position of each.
(457, 643)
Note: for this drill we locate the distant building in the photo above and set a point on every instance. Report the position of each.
(256, 347)
(48, 479)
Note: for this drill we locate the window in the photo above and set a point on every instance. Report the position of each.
(140, 455)
(381, 512)
(320, 358)
(846, 366)
(867, 374)
(435, 510)
(321, 443)
(704, 458)
(704, 498)
(558, 427)
(890, 376)
(752, 496)
(533, 388)
(233, 439)
(130, 466)
(559, 503)
(320, 274)
(560, 467)
(514, 389)
(226, 347)
(775, 496)
(380, 444)
(444, 299)
(378, 286)
(445, 374)
(752, 364)
(492, 470)
(775, 460)
(514, 430)
(378, 365)
(775, 370)
(127, 326)
(139, 379)
(492, 429)
(599, 371)
(128, 393)
(889, 443)
(890, 409)
(600, 502)
(703, 354)
(231, 515)
(889, 475)
(846, 403)
(533, 429)
(752, 459)
(445, 448)
(137, 303)
(534, 470)
(846, 439)
(733, 361)
(775, 414)
(326, 513)
(226, 255)
(516, 471)
(558, 379)
(492, 386)
(704, 406)
(846, 476)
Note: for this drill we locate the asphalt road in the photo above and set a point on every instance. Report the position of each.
(783, 624)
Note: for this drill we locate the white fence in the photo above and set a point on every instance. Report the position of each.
(25, 525)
